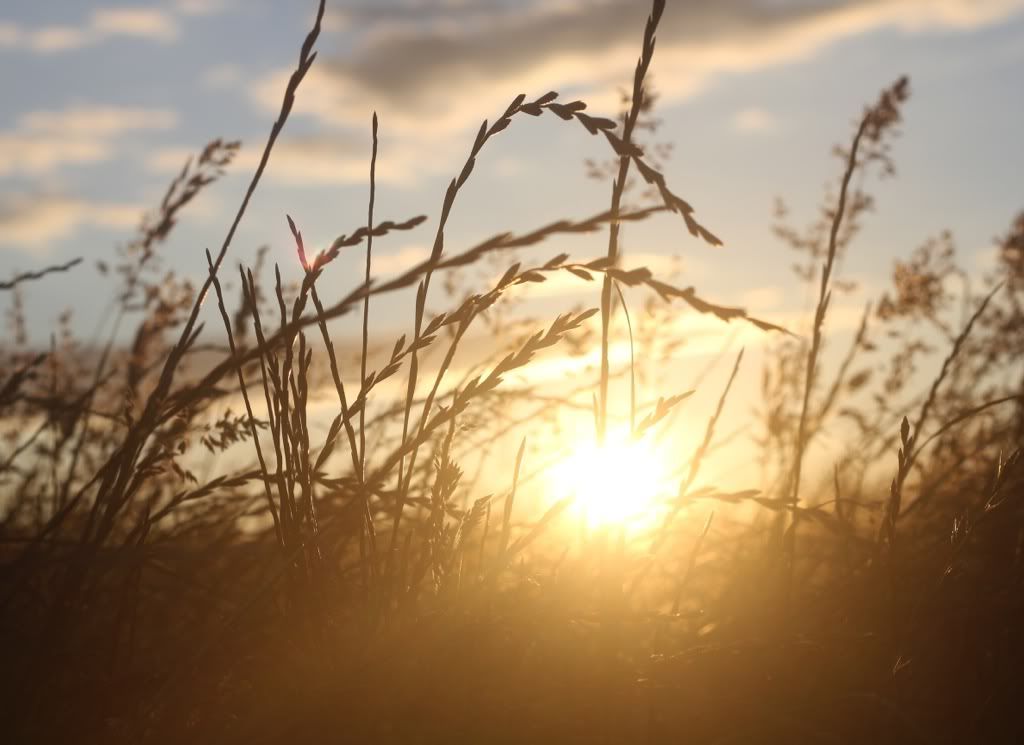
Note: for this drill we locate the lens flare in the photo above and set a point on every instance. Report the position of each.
(618, 482)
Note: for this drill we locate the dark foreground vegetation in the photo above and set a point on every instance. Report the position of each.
(349, 582)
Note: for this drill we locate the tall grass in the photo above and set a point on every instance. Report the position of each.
(175, 572)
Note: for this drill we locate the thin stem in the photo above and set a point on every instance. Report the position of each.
(366, 300)
(618, 187)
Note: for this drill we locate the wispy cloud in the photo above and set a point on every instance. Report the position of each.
(401, 260)
(202, 7)
(97, 121)
(767, 297)
(50, 39)
(36, 154)
(222, 76)
(755, 120)
(153, 24)
(10, 34)
(33, 222)
(147, 23)
(418, 69)
(433, 73)
(322, 160)
(43, 141)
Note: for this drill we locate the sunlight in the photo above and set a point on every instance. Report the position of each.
(617, 483)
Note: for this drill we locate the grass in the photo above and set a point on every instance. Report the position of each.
(173, 572)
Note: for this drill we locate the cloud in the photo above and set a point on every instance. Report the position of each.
(433, 70)
(169, 159)
(768, 297)
(401, 260)
(754, 120)
(10, 34)
(345, 159)
(98, 121)
(322, 160)
(102, 24)
(202, 7)
(221, 77)
(39, 154)
(44, 140)
(58, 39)
(147, 23)
(319, 161)
(33, 222)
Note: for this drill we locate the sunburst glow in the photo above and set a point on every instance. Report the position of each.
(618, 482)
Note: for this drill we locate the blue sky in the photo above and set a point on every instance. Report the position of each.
(103, 101)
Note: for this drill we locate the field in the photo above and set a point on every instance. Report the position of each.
(250, 525)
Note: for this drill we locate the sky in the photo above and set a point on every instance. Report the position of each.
(103, 102)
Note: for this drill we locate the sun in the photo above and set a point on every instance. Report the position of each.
(617, 483)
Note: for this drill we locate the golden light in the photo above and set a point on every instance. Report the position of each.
(617, 483)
